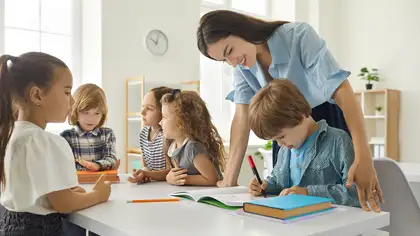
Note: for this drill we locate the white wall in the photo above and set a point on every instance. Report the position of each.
(123, 27)
(385, 34)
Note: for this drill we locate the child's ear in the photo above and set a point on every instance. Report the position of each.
(35, 95)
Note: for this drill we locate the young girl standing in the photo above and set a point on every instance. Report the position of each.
(194, 146)
(151, 139)
(93, 146)
(38, 178)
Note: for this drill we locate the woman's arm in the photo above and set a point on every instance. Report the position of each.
(208, 174)
(362, 171)
(239, 135)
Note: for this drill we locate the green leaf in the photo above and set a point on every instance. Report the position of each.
(364, 70)
(373, 69)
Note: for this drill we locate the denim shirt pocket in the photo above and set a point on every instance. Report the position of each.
(321, 170)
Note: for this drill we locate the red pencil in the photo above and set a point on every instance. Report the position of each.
(254, 170)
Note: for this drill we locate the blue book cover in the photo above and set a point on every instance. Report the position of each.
(289, 202)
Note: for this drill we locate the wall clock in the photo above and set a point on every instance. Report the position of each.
(156, 42)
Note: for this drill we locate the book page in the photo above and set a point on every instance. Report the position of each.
(234, 199)
(197, 194)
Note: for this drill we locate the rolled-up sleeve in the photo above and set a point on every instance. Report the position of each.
(241, 92)
(318, 60)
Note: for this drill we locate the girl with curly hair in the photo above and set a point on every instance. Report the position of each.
(192, 143)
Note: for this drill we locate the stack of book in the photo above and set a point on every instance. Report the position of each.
(90, 177)
(287, 207)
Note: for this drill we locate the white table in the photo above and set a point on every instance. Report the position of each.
(116, 217)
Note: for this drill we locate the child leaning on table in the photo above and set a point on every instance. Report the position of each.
(155, 164)
(192, 143)
(314, 158)
(92, 144)
(38, 178)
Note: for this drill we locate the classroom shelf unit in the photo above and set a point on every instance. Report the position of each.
(381, 110)
(192, 85)
(133, 122)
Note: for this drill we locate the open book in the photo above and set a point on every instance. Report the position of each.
(227, 198)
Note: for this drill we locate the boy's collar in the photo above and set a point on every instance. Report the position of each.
(81, 132)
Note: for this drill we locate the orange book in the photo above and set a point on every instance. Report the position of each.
(89, 177)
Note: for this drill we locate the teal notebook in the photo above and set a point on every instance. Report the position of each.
(285, 207)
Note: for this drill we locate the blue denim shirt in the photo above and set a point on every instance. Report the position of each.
(299, 55)
(324, 170)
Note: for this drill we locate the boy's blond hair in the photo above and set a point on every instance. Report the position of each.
(277, 106)
(86, 97)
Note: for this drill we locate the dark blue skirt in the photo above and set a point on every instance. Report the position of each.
(28, 224)
(329, 112)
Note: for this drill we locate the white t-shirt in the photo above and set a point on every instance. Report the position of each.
(36, 163)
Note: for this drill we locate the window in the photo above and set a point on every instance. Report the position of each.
(216, 77)
(48, 26)
(256, 7)
(42, 25)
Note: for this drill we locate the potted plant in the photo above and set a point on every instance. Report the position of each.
(370, 76)
(266, 153)
(378, 110)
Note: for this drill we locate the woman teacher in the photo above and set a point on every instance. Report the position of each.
(261, 51)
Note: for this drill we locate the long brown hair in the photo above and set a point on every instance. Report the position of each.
(219, 24)
(17, 74)
(193, 118)
(86, 97)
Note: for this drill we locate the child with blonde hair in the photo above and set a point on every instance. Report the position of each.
(38, 178)
(193, 143)
(92, 144)
(155, 166)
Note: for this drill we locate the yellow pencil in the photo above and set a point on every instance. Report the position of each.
(154, 200)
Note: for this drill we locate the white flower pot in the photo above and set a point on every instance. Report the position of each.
(379, 113)
(268, 160)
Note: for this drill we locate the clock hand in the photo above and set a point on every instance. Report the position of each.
(157, 39)
(153, 41)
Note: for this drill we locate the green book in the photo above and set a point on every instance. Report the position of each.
(227, 198)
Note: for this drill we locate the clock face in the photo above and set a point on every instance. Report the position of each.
(156, 42)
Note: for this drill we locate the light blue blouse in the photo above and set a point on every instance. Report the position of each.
(298, 54)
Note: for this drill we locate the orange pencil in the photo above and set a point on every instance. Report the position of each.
(154, 200)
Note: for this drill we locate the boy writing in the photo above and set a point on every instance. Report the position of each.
(314, 158)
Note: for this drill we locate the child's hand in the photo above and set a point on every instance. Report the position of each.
(92, 166)
(256, 188)
(177, 176)
(102, 188)
(78, 189)
(117, 165)
(139, 176)
(294, 190)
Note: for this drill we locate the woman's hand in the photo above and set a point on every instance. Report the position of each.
(362, 171)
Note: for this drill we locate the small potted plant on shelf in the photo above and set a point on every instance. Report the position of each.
(378, 110)
(266, 153)
(370, 76)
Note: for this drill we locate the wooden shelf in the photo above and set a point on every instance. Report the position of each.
(384, 125)
(134, 100)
